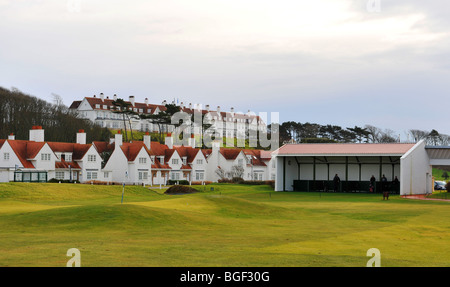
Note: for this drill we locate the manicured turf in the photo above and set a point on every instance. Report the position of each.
(234, 225)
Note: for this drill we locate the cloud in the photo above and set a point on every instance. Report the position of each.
(246, 54)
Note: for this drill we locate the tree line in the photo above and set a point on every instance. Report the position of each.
(19, 112)
(296, 132)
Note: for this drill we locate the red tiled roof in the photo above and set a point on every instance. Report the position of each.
(65, 165)
(186, 151)
(255, 155)
(186, 167)
(131, 150)
(1, 143)
(168, 154)
(158, 149)
(78, 150)
(230, 153)
(26, 150)
(158, 165)
(343, 149)
(103, 146)
(75, 105)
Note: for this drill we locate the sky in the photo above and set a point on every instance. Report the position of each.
(349, 62)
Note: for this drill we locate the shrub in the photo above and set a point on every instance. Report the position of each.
(201, 182)
(180, 189)
(177, 182)
(237, 180)
(54, 180)
(447, 186)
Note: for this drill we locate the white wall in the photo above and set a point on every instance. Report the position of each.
(415, 171)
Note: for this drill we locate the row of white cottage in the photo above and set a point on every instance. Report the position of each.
(140, 162)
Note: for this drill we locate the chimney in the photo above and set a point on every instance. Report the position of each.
(147, 140)
(118, 140)
(115, 97)
(146, 101)
(11, 137)
(207, 108)
(232, 110)
(37, 134)
(169, 141)
(218, 109)
(102, 97)
(192, 141)
(132, 100)
(81, 137)
(190, 106)
(182, 105)
(164, 103)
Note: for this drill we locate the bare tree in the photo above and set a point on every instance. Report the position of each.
(237, 171)
(221, 173)
(418, 135)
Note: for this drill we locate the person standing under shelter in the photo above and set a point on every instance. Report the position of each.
(372, 184)
(336, 182)
(395, 184)
(383, 183)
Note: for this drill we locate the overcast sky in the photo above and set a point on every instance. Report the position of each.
(340, 62)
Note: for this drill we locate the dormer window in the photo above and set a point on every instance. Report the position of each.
(184, 160)
(97, 106)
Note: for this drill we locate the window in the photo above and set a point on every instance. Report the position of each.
(97, 106)
(240, 162)
(142, 160)
(68, 157)
(45, 157)
(92, 158)
(91, 175)
(106, 174)
(273, 176)
(143, 175)
(6, 156)
(184, 160)
(175, 161)
(199, 161)
(199, 176)
(59, 175)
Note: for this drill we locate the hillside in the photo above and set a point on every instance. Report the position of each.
(19, 112)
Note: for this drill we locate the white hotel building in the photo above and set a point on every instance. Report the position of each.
(101, 109)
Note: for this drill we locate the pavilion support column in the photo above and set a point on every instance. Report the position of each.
(381, 169)
(346, 173)
(314, 173)
(284, 173)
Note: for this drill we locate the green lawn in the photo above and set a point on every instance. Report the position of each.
(234, 225)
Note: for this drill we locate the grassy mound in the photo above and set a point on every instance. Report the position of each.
(180, 189)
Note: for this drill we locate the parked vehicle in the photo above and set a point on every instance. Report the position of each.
(439, 185)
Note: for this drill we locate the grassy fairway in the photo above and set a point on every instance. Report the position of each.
(230, 226)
